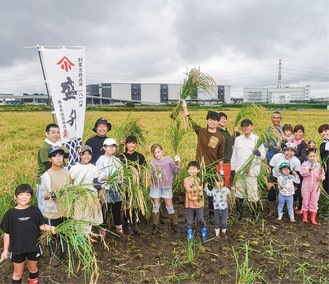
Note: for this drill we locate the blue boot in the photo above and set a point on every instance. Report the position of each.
(204, 233)
(190, 233)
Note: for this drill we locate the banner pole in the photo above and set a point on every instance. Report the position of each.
(44, 78)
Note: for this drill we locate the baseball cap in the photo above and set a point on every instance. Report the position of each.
(246, 122)
(109, 141)
(102, 120)
(290, 146)
(85, 148)
(284, 165)
(54, 149)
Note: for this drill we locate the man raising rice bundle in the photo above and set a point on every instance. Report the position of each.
(210, 147)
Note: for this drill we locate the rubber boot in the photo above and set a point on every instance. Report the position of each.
(272, 207)
(190, 233)
(313, 216)
(280, 216)
(239, 210)
(292, 218)
(305, 216)
(174, 220)
(204, 233)
(224, 235)
(33, 281)
(217, 232)
(135, 224)
(156, 220)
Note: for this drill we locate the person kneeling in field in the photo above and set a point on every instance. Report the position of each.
(85, 174)
(194, 201)
(21, 226)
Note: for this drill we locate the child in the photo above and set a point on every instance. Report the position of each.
(194, 201)
(312, 173)
(163, 169)
(220, 196)
(287, 136)
(52, 181)
(324, 154)
(286, 190)
(132, 158)
(21, 226)
(311, 144)
(85, 174)
(110, 172)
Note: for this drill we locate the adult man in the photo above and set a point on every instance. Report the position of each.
(229, 141)
(210, 147)
(244, 151)
(102, 126)
(288, 156)
(52, 139)
(273, 146)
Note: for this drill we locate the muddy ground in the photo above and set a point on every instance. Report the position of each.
(281, 251)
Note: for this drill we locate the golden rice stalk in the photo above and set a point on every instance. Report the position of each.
(176, 134)
(241, 174)
(130, 127)
(251, 111)
(195, 80)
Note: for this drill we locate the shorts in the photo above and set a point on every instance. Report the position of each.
(161, 192)
(19, 258)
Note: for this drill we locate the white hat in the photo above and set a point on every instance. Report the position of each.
(290, 146)
(109, 141)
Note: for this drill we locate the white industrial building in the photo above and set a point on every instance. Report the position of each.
(151, 93)
(281, 95)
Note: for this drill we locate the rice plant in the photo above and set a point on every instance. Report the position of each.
(130, 126)
(252, 111)
(195, 80)
(136, 181)
(81, 253)
(244, 273)
(176, 135)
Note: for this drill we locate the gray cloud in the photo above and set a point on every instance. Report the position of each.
(237, 42)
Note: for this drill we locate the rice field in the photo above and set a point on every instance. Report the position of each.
(251, 251)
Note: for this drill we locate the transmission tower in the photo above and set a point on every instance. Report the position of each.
(279, 75)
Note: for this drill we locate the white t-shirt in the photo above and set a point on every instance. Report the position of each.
(280, 158)
(84, 175)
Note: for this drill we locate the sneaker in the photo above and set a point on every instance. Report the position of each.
(103, 233)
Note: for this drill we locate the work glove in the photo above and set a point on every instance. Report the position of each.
(184, 104)
(177, 158)
(256, 153)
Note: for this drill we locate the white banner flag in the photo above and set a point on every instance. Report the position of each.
(65, 76)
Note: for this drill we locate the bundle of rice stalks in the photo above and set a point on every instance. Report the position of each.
(195, 80)
(135, 185)
(81, 253)
(176, 134)
(252, 111)
(244, 171)
(130, 127)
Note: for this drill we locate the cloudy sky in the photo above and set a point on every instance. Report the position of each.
(237, 42)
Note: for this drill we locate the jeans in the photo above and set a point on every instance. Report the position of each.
(286, 199)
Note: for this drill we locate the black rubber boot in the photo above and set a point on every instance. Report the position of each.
(239, 209)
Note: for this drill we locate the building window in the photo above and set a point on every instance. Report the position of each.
(136, 92)
(163, 93)
(221, 93)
